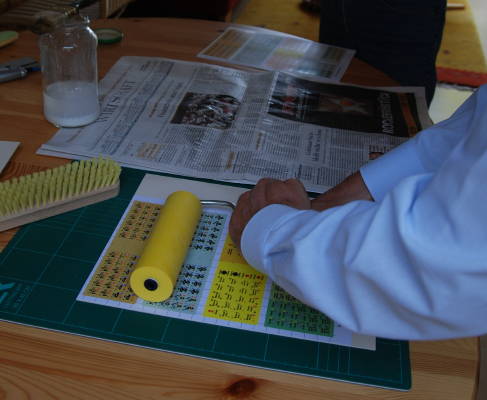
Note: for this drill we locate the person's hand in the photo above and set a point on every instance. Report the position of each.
(352, 188)
(267, 191)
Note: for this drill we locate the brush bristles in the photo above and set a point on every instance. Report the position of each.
(70, 180)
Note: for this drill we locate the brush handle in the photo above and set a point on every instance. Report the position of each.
(58, 207)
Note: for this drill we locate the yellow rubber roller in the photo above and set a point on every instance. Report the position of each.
(157, 270)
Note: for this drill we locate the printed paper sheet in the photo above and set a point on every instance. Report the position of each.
(215, 285)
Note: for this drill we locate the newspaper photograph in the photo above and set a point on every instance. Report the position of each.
(276, 51)
(207, 121)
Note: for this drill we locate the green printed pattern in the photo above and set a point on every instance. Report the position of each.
(286, 312)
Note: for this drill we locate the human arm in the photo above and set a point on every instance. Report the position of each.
(267, 191)
(423, 153)
(411, 266)
(351, 189)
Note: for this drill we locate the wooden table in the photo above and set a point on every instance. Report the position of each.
(40, 364)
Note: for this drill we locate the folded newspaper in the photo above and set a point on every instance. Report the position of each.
(270, 50)
(207, 121)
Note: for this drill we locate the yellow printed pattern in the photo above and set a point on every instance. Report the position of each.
(139, 221)
(237, 289)
(231, 253)
(111, 279)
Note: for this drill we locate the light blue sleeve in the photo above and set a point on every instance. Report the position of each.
(424, 153)
(412, 266)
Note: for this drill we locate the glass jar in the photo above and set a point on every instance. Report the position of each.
(70, 73)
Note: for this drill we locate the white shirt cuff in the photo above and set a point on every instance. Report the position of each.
(254, 235)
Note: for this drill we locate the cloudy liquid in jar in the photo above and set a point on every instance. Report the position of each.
(71, 103)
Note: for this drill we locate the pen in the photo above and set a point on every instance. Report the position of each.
(10, 74)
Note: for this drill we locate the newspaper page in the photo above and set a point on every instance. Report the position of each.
(275, 51)
(219, 123)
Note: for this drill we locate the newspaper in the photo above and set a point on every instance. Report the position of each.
(224, 124)
(276, 51)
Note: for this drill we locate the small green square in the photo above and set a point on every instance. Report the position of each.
(66, 273)
(191, 334)
(82, 246)
(41, 238)
(93, 316)
(141, 325)
(383, 363)
(293, 352)
(24, 265)
(107, 214)
(238, 342)
(48, 303)
(330, 356)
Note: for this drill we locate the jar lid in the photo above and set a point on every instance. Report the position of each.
(7, 37)
(108, 35)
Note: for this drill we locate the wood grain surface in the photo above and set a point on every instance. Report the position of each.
(40, 364)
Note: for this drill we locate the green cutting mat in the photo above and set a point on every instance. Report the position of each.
(45, 265)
